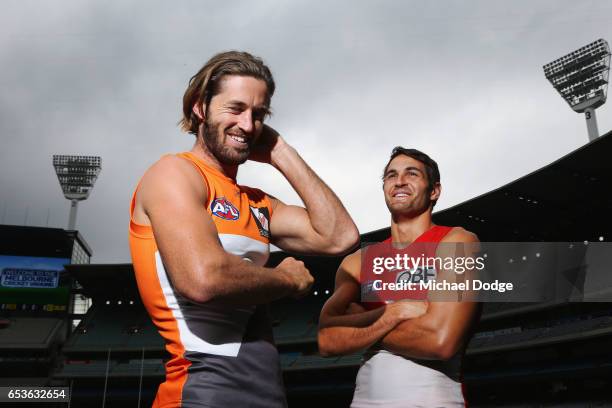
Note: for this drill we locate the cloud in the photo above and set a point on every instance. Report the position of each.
(463, 83)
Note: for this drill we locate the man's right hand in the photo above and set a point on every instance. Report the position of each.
(408, 309)
(298, 274)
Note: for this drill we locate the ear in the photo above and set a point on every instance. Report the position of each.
(198, 110)
(435, 191)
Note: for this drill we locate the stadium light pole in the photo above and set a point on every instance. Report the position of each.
(77, 175)
(581, 77)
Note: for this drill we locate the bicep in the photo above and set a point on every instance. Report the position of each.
(439, 334)
(462, 248)
(451, 316)
(290, 228)
(185, 234)
(451, 320)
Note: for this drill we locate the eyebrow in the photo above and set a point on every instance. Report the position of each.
(389, 171)
(414, 168)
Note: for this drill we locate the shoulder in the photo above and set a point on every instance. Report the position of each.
(171, 175)
(351, 264)
(170, 164)
(459, 234)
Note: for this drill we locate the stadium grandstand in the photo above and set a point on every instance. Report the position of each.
(39, 301)
(552, 353)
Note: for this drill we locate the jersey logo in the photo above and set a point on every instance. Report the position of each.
(262, 219)
(416, 275)
(222, 208)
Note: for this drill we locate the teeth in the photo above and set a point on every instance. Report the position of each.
(239, 139)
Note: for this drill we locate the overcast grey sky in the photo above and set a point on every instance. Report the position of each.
(461, 80)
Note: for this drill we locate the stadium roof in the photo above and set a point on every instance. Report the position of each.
(39, 241)
(105, 280)
(568, 200)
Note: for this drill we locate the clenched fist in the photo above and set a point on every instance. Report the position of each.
(300, 278)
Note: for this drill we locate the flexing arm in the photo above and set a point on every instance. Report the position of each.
(341, 332)
(444, 329)
(324, 226)
(170, 199)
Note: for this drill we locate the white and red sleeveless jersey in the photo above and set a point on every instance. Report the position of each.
(390, 380)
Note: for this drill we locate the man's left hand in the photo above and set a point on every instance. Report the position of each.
(267, 146)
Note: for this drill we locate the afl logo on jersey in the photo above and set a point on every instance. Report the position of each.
(222, 208)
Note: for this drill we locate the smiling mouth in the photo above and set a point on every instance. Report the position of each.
(401, 195)
(239, 139)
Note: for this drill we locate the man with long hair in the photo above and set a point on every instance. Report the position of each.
(199, 241)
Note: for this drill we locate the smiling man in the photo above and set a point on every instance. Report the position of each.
(199, 241)
(414, 348)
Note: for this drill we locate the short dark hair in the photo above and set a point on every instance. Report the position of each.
(206, 83)
(431, 167)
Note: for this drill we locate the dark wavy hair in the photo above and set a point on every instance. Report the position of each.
(431, 167)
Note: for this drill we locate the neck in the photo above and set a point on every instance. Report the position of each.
(406, 229)
(202, 152)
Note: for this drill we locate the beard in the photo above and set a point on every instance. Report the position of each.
(225, 154)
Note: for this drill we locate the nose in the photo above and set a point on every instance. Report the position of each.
(401, 180)
(245, 121)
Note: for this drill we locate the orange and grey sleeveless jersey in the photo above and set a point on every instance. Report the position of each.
(221, 356)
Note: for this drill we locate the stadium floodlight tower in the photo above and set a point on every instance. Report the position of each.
(581, 77)
(77, 175)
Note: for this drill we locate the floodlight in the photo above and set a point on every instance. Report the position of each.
(77, 175)
(581, 77)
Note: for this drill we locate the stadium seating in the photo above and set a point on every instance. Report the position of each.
(296, 322)
(30, 333)
(124, 327)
